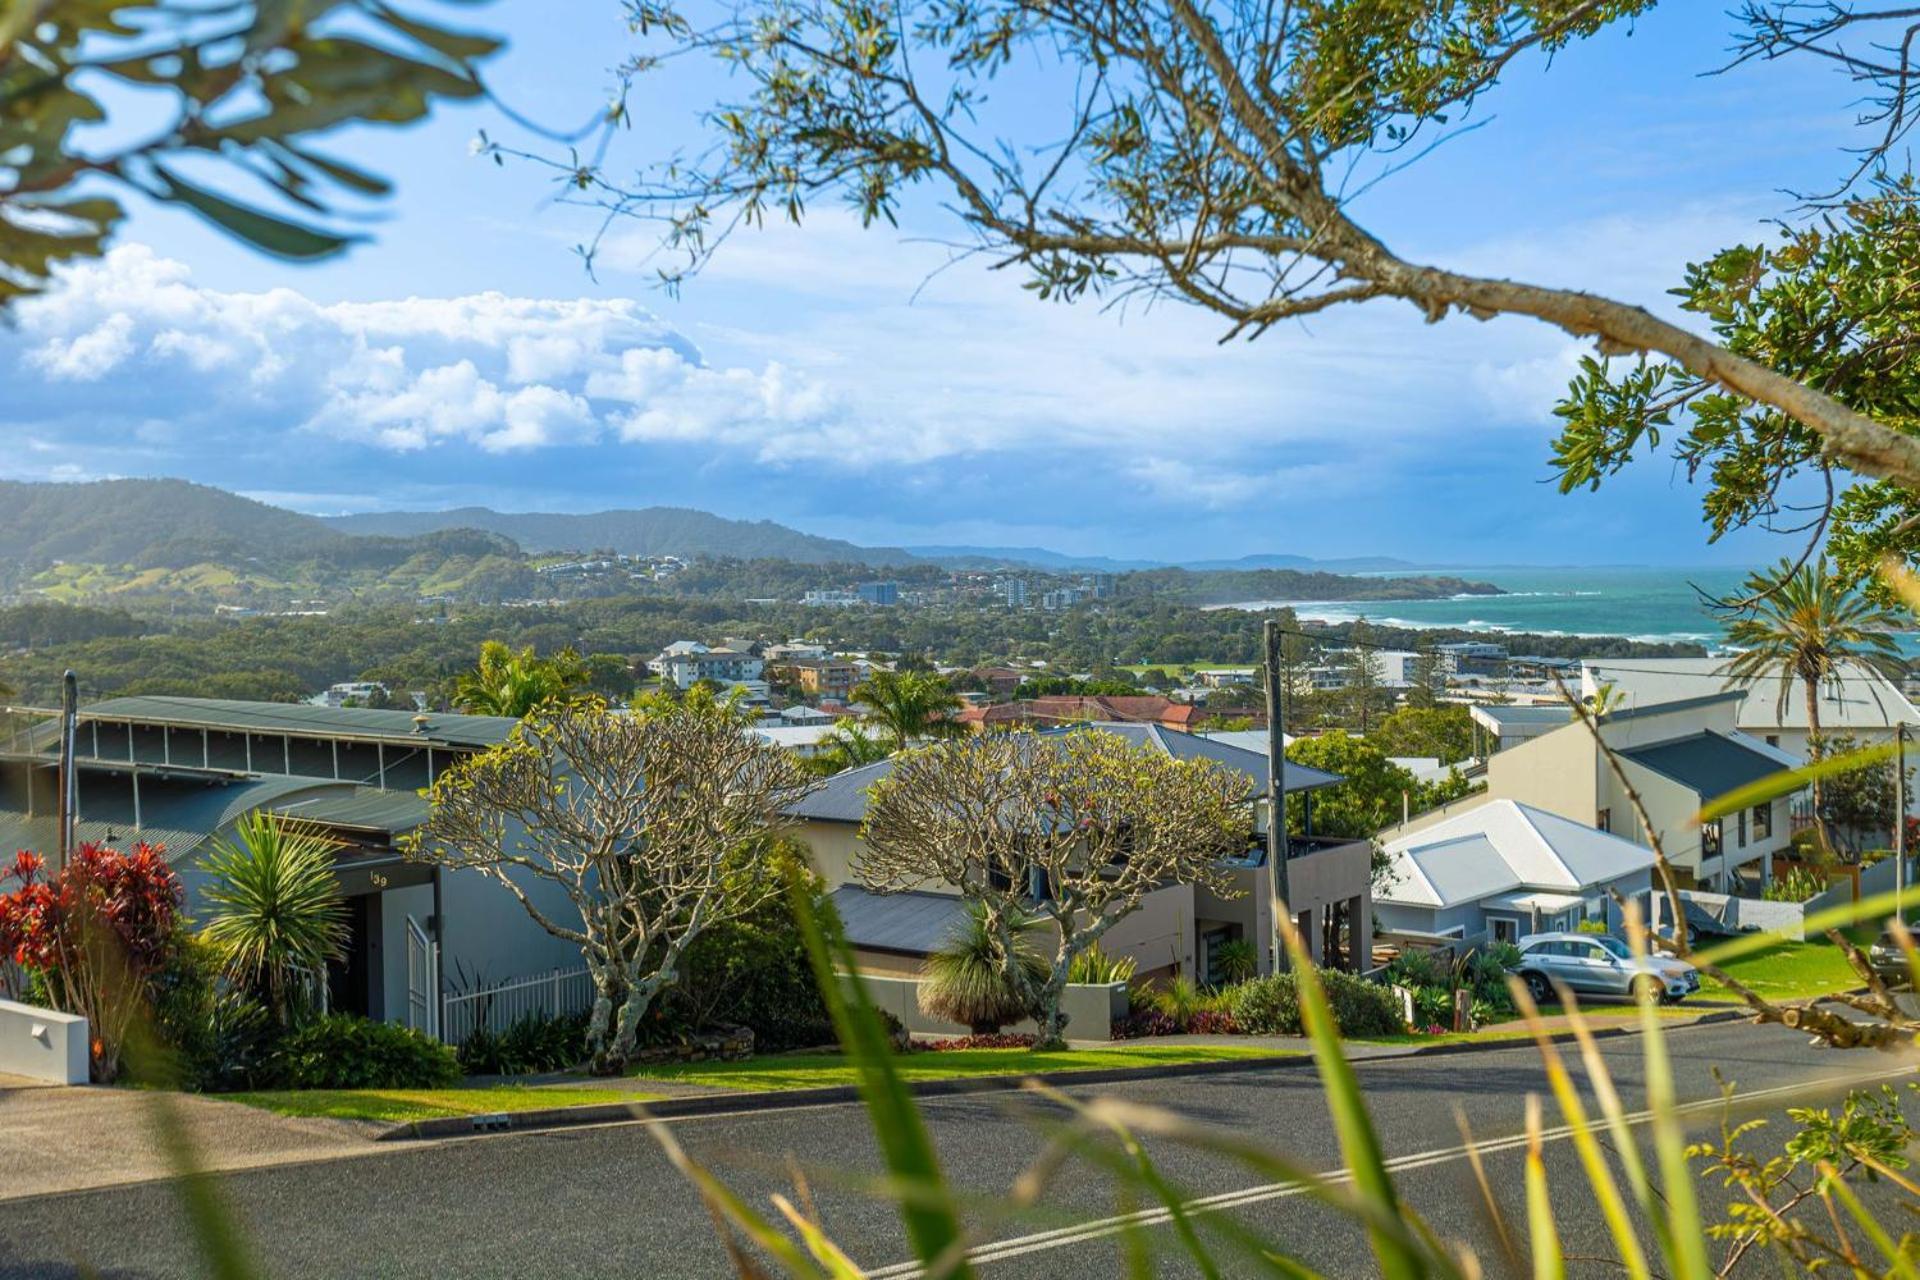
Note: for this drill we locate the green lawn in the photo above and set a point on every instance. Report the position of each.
(397, 1105)
(1784, 971)
(812, 1070)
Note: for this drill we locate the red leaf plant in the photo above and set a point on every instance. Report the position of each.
(95, 933)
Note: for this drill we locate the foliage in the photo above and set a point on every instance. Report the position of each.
(1237, 958)
(1417, 969)
(1370, 797)
(341, 1051)
(1823, 305)
(1862, 801)
(1095, 967)
(1443, 732)
(533, 1044)
(1797, 885)
(94, 933)
(245, 88)
(1179, 999)
(988, 1040)
(276, 915)
(212, 1033)
(1077, 827)
(752, 971)
(848, 747)
(653, 827)
(908, 705)
(1058, 686)
(506, 683)
(967, 980)
(1270, 1005)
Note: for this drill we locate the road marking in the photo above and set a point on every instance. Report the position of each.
(1100, 1228)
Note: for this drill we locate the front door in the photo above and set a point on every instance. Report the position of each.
(1503, 928)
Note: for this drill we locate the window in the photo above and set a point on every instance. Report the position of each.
(1763, 821)
(1604, 820)
(1503, 928)
(1614, 945)
(1741, 828)
(1773, 739)
(1711, 839)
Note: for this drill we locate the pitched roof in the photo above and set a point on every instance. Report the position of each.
(1709, 763)
(1502, 846)
(181, 815)
(843, 796)
(910, 923)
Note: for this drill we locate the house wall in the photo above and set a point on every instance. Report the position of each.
(1556, 771)
(834, 845)
(1160, 936)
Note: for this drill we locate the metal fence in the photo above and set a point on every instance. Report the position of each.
(496, 1008)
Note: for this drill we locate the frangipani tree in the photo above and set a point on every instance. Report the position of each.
(652, 826)
(1074, 828)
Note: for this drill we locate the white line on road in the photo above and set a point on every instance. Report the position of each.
(1100, 1228)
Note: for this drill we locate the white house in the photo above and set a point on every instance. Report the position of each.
(1502, 870)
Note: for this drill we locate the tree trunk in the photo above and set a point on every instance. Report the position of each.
(1813, 754)
(1052, 1023)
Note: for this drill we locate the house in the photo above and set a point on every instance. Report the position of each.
(1472, 657)
(800, 715)
(801, 739)
(1498, 726)
(180, 772)
(825, 677)
(1677, 756)
(878, 593)
(1065, 709)
(1860, 702)
(1176, 933)
(1503, 870)
(1223, 678)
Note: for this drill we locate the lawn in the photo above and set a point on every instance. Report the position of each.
(813, 1070)
(1784, 971)
(397, 1105)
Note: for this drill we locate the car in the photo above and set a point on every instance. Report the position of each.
(1889, 961)
(1598, 964)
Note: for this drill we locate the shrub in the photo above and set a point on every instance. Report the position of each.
(1237, 960)
(1143, 1023)
(1799, 884)
(1267, 1006)
(535, 1043)
(1095, 967)
(1589, 926)
(752, 972)
(964, 981)
(93, 935)
(342, 1051)
(1213, 1022)
(213, 1035)
(1179, 1000)
(1271, 1006)
(1417, 969)
(999, 1040)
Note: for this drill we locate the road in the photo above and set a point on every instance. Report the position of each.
(604, 1202)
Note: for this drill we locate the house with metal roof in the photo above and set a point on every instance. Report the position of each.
(181, 772)
(1180, 929)
(1502, 870)
(1677, 756)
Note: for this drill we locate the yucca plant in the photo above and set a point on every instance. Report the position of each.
(276, 915)
(966, 981)
(1095, 967)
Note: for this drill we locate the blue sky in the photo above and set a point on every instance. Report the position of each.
(819, 377)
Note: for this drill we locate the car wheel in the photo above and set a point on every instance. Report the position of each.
(1538, 987)
(1648, 988)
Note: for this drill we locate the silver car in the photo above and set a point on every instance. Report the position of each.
(1596, 964)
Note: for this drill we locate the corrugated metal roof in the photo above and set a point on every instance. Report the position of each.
(1712, 764)
(366, 808)
(1857, 698)
(1503, 846)
(910, 923)
(180, 815)
(440, 729)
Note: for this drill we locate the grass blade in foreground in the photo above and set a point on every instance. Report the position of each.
(1548, 1263)
(926, 1207)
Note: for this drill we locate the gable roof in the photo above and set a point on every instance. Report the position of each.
(843, 796)
(1710, 764)
(1499, 847)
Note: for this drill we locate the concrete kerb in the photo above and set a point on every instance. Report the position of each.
(546, 1118)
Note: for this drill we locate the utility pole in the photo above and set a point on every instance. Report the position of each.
(1276, 790)
(1900, 820)
(69, 784)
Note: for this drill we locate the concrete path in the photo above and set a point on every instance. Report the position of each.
(68, 1139)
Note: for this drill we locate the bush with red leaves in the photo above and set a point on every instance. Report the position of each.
(95, 932)
(999, 1040)
(1142, 1024)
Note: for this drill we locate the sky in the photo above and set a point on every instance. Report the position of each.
(841, 381)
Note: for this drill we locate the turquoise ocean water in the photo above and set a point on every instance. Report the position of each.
(1641, 603)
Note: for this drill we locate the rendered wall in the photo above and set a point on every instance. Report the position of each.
(42, 1045)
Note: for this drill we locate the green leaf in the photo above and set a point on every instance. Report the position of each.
(460, 46)
(262, 230)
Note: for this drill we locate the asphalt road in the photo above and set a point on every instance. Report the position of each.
(604, 1202)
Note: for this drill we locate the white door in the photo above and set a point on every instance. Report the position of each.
(423, 980)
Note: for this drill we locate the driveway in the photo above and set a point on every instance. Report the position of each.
(69, 1139)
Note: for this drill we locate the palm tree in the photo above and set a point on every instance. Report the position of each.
(1806, 625)
(847, 747)
(909, 704)
(277, 919)
(965, 981)
(509, 683)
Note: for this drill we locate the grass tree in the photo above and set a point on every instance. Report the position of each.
(1075, 828)
(276, 916)
(1807, 625)
(965, 981)
(629, 835)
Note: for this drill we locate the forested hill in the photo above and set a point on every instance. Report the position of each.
(645, 531)
(1235, 586)
(165, 524)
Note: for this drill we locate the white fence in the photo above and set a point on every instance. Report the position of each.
(496, 1008)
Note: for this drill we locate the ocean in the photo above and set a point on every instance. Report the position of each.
(1653, 605)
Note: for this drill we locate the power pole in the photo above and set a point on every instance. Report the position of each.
(1276, 790)
(69, 784)
(1900, 819)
